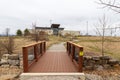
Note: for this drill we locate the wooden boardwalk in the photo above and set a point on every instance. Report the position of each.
(54, 60)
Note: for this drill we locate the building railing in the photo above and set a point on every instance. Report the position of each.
(76, 53)
(31, 53)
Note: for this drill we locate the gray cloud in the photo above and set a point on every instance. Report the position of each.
(71, 14)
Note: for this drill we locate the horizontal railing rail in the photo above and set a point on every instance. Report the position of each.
(76, 52)
(39, 49)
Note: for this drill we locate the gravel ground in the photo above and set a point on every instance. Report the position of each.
(97, 77)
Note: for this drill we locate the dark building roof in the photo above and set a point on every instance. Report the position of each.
(55, 25)
(42, 27)
(52, 26)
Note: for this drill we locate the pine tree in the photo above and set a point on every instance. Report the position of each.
(19, 32)
(26, 32)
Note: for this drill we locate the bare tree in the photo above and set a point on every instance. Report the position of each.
(111, 4)
(101, 31)
(8, 44)
(35, 33)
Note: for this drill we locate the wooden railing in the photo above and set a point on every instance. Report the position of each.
(76, 53)
(39, 49)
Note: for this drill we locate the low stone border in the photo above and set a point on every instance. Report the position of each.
(99, 62)
(52, 76)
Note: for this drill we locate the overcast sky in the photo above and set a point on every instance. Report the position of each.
(71, 14)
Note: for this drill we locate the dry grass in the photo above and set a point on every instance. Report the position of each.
(90, 44)
(22, 41)
(93, 44)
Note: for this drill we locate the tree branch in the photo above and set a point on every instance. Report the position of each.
(113, 5)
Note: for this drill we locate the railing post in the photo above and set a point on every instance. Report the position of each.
(41, 48)
(80, 59)
(25, 59)
(67, 46)
(73, 52)
(35, 52)
(44, 47)
(69, 49)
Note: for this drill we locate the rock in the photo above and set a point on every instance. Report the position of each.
(13, 57)
(99, 68)
(30, 57)
(21, 57)
(105, 58)
(97, 58)
(113, 62)
(0, 63)
(106, 66)
(5, 66)
(89, 67)
(21, 62)
(88, 61)
(14, 67)
(5, 56)
(4, 61)
(21, 67)
(87, 57)
(14, 62)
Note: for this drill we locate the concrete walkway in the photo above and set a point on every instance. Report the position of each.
(53, 76)
(57, 48)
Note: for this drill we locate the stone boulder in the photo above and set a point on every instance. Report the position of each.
(5, 66)
(87, 57)
(88, 62)
(13, 57)
(14, 67)
(106, 66)
(99, 67)
(113, 62)
(0, 63)
(14, 62)
(105, 58)
(96, 60)
(4, 61)
(89, 67)
(5, 56)
(20, 57)
(30, 57)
